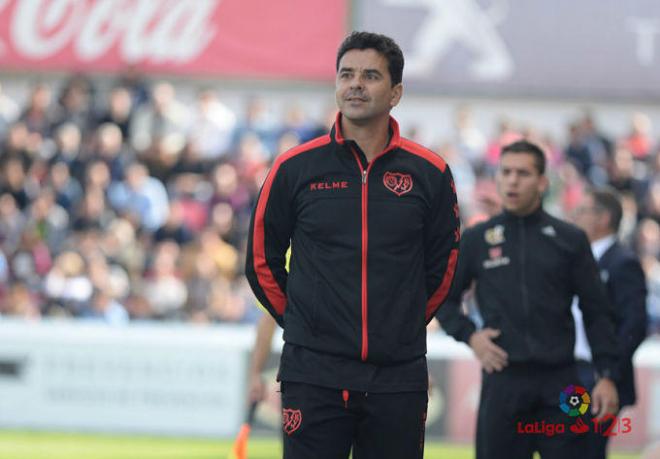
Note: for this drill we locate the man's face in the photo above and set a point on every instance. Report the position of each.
(590, 218)
(364, 90)
(519, 183)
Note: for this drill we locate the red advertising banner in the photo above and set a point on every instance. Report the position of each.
(234, 38)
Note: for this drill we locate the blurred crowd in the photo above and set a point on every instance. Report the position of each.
(129, 204)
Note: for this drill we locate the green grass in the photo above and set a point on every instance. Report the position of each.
(42, 445)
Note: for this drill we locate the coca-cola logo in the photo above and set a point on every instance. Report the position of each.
(160, 31)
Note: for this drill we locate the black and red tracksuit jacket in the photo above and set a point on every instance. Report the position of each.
(373, 252)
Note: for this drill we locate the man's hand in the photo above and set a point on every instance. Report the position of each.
(604, 398)
(491, 356)
(256, 388)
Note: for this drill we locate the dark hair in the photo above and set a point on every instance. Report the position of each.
(382, 44)
(607, 200)
(524, 146)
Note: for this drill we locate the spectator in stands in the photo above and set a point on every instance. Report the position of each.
(140, 197)
(75, 103)
(625, 175)
(260, 121)
(37, 116)
(92, 212)
(174, 228)
(17, 144)
(119, 111)
(12, 223)
(104, 307)
(97, 176)
(303, 126)
(67, 286)
(67, 189)
(163, 115)
(648, 247)
(213, 127)
(13, 181)
(20, 301)
(121, 245)
(639, 140)
(468, 139)
(109, 147)
(228, 188)
(162, 285)
(49, 220)
(9, 112)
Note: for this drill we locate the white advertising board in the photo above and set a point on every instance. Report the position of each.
(153, 379)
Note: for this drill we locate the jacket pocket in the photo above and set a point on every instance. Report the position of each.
(410, 318)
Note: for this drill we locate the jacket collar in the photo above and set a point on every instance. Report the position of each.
(395, 139)
(533, 217)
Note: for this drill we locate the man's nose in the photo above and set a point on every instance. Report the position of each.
(357, 82)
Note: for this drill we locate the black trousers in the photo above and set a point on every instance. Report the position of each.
(519, 413)
(322, 423)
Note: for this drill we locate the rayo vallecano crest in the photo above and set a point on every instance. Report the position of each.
(495, 235)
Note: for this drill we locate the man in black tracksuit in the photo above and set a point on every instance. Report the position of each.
(526, 267)
(373, 225)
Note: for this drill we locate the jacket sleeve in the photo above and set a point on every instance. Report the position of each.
(268, 240)
(441, 239)
(451, 317)
(596, 309)
(628, 288)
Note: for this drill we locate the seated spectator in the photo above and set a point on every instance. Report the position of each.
(92, 213)
(174, 228)
(75, 103)
(68, 147)
(162, 285)
(19, 301)
(109, 147)
(9, 112)
(121, 245)
(103, 307)
(67, 286)
(639, 141)
(37, 116)
(67, 189)
(141, 198)
(213, 127)
(13, 181)
(162, 116)
(12, 223)
(49, 220)
(119, 111)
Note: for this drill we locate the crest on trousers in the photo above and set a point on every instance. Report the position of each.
(291, 420)
(397, 182)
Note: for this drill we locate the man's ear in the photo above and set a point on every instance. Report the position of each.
(397, 92)
(544, 183)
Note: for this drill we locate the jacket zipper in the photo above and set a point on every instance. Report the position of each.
(523, 278)
(365, 242)
(365, 188)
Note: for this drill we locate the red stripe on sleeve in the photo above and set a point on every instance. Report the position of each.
(271, 288)
(441, 293)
